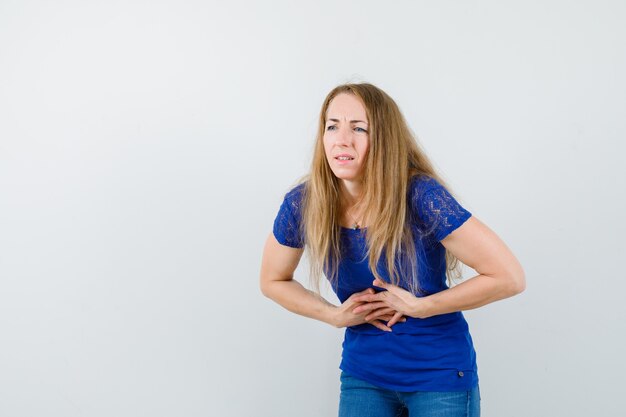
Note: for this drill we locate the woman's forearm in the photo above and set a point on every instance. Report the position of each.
(472, 293)
(297, 299)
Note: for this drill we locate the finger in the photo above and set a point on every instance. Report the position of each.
(380, 283)
(380, 325)
(388, 311)
(394, 319)
(382, 310)
(368, 298)
(389, 287)
(388, 318)
(355, 296)
(368, 307)
(365, 292)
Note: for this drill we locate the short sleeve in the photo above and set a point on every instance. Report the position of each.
(439, 211)
(287, 224)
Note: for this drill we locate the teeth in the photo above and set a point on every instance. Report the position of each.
(344, 158)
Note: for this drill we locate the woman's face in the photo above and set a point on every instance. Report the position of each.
(346, 137)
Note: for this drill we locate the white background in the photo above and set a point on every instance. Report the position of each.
(145, 147)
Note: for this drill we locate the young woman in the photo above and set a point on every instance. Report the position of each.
(381, 224)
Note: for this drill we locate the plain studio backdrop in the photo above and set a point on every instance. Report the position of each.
(146, 146)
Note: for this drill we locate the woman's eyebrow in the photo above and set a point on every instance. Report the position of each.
(351, 121)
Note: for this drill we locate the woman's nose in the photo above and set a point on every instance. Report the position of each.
(344, 136)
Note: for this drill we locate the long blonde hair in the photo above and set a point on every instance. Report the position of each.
(394, 157)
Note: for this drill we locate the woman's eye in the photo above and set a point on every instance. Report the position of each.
(330, 127)
(360, 129)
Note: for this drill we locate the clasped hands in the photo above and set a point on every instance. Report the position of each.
(367, 306)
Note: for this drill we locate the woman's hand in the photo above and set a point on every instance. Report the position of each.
(346, 316)
(395, 298)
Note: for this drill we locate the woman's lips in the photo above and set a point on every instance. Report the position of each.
(343, 161)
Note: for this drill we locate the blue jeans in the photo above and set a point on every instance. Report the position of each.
(362, 399)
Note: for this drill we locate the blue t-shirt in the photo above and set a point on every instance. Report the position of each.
(432, 354)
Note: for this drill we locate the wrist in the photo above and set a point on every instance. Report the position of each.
(422, 307)
(332, 316)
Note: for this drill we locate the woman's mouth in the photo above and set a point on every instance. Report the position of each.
(344, 160)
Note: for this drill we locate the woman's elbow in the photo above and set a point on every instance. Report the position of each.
(269, 286)
(517, 282)
(265, 287)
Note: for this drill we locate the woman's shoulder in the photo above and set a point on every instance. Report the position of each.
(420, 183)
(296, 192)
(294, 197)
(426, 192)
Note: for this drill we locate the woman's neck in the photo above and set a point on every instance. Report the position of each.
(352, 192)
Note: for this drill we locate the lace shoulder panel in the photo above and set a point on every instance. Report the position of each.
(439, 212)
(287, 224)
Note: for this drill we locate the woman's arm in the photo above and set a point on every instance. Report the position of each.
(474, 244)
(500, 273)
(277, 268)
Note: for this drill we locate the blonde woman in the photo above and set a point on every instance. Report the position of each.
(383, 227)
